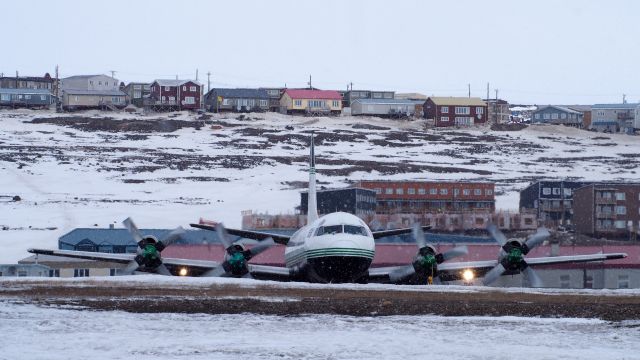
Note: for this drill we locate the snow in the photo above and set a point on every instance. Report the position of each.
(35, 332)
(88, 189)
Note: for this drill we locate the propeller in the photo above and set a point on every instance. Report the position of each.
(512, 254)
(237, 257)
(426, 260)
(149, 249)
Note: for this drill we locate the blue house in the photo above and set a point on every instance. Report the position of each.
(120, 241)
(552, 114)
(615, 117)
(31, 98)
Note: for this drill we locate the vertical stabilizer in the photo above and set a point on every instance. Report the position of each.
(312, 204)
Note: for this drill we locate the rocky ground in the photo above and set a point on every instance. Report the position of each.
(291, 300)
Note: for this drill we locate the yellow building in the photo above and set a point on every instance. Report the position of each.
(311, 102)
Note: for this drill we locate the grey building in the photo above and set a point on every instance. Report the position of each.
(28, 82)
(23, 270)
(615, 117)
(553, 114)
(552, 200)
(237, 100)
(274, 98)
(384, 107)
(30, 98)
(91, 92)
(136, 92)
(351, 95)
(498, 111)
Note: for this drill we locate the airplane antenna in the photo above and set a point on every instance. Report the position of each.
(312, 208)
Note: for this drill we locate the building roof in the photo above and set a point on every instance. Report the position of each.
(28, 78)
(241, 93)
(616, 106)
(561, 108)
(173, 82)
(94, 92)
(313, 94)
(26, 91)
(121, 237)
(74, 77)
(453, 101)
(411, 96)
(388, 101)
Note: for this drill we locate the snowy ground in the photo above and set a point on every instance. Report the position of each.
(33, 332)
(69, 177)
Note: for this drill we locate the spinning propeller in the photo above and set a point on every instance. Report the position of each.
(149, 249)
(512, 254)
(237, 256)
(426, 260)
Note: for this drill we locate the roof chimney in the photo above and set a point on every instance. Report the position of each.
(110, 226)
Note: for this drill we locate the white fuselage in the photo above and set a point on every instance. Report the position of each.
(336, 247)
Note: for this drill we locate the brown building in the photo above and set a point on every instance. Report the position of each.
(609, 210)
(175, 95)
(498, 111)
(430, 196)
(455, 111)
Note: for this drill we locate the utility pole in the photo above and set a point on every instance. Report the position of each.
(496, 107)
(196, 74)
(208, 81)
(351, 83)
(113, 73)
(469, 87)
(487, 91)
(624, 98)
(57, 89)
(310, 87)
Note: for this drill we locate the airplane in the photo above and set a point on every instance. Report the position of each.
(335, 248)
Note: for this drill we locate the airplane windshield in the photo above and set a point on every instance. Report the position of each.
(332, 229)
(356, 230)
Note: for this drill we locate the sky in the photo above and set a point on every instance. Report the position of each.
(533, 52)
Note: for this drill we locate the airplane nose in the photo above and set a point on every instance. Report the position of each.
(344, 243)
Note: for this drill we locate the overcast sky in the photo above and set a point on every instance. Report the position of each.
(539, 52)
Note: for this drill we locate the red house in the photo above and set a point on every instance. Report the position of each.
(455, 111)
(175, 95)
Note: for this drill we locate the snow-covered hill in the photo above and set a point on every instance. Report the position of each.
(86, 170)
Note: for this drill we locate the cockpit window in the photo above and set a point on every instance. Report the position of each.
(332, 229)
(356, 230)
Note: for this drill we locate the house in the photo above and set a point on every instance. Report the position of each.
(553, 114)
(28, 98)
(498, 111)
(350, 96)
(91, 92)
(608, 209)
(305, 101)
(238, 100)
(274, 98)
(22, 270)
(552, 200)
(384, 107)
(615, 117)
(45, 82)
(356, 201)
(455, 111)
(167, 95)
(56, 266)
(137, 92)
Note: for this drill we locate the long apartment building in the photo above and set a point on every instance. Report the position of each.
(609, 210)
(430, 196)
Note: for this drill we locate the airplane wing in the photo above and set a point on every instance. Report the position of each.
(574, 258)
(385, 233)
(265, 272)
(249, 234)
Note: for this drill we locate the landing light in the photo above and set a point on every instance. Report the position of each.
(468, 275)
(183, 272)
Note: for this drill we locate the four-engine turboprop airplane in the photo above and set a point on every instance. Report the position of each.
(337, 247)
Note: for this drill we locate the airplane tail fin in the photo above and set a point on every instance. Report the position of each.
(312, 205)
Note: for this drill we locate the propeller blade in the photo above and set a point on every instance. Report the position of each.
(418, 236)
(497, 234)
(261, 246)
(133, 229)
(455, 252)
(536, 239)
(437, 280)
(222, 235)
(173, 236)
(493, 274)
(217, 272)
(532, 276)
(131, 267)
(247, 276)
(402, 273)
(163, 270)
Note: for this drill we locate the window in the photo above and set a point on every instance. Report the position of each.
(316, 104)
(433, 191)
(166, 88)
(184, 87)
(226, 102)
(100, 83)
(193, 88)
(546, 116)
(567, 192)
(456, 192)
(80, 272)
(479, 110)
(444, 191)
(621, 210)
(264, 103)
(466, 192)
(389, 191)
(115, 99)
(112, 272)
(444, 118)
(554, 116)
(623, 281)
(411, 191)
(537, 116)
(444, 110)
(90, 82)
(546, 191)
(172, 98)
(488, 192)
(378, 190)
(563, 116)
(189, 100)
(620, 224)
(620, 196)
(137, 87)
(164, 98)
(22, 273)
(332, 229)
(355, 230)
(477, 192)
(464, 120)
(298, 103)
(399, 191)
(4, 97)
(421, 191)
(565, 281)
(336, 103)
(463, 110)
(137, 94)
(556, 191)
(28, 97)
